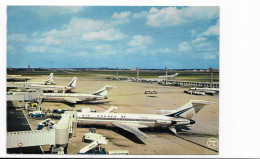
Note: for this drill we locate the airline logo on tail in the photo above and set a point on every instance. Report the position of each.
(103, 91)
(189, 109)
(49, 79)
(73, 82)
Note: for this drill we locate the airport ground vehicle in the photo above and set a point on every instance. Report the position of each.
(31, 106)
(97, 150)
(36, 114)
(60, 111)
(46, 122)
(55, 116)
(118, 152)
(194, 92)
(150, 92)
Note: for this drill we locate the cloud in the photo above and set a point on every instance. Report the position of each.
(56, 11)
(16, 37)
(184, 47)
(172, 16)
(161, 51)
(133, 50)
(121, 15)
(120, 18)
(50, 40)
(81, 29)
(76, 27)
(104, 49)
(10, 47)
(138, 43)
(42, 49)
(141, 14)
(199, 40)
(153, 10)
(209, 56)
(32, 48)
(212, 30)
(139, 40)
(193, 32)
(109, 35)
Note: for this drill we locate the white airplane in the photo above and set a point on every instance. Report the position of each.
(170, 76)
(74, 98)
(172, 119)
(53, 88)
(210, 91)
(14, 75)
(15, 78)
(205, 89)
(48, 81)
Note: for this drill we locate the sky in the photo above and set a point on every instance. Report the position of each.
(113, 36)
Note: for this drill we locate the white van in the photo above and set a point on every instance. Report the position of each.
(118, 152)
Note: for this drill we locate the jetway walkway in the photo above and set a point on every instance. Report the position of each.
(15, 85)
(24, 96)
(30, 138)
(57, 137)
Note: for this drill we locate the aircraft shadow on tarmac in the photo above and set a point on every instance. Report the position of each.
(128, 135)
(152, 96)
(120, 131)
(148, 131)
(96, 102)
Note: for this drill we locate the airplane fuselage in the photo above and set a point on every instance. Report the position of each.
(149, 120)
(62, 96)
(21, 83)
(52, 87)
(205, 89)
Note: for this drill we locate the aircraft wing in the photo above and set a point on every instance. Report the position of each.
(72, 100)
(111, 109)
(133, 128)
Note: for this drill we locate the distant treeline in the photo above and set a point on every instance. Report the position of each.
(187, 75)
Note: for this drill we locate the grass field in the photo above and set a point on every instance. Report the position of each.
(183, 75)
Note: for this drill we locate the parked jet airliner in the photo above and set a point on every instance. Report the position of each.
(48, 81)
(169, 76)
(74, 98)
(171, 119)
(55, 88)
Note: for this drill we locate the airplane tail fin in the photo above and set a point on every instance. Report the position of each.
(189, 109)
(103, 91)
(49, 79)
(73, 82)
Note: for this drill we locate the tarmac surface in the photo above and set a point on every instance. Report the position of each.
(129, 97)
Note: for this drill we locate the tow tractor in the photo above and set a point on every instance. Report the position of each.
(46, 122)
(31, 106)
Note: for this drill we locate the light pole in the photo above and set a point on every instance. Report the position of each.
(211, 76)
(166, 69)
(137, 72)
